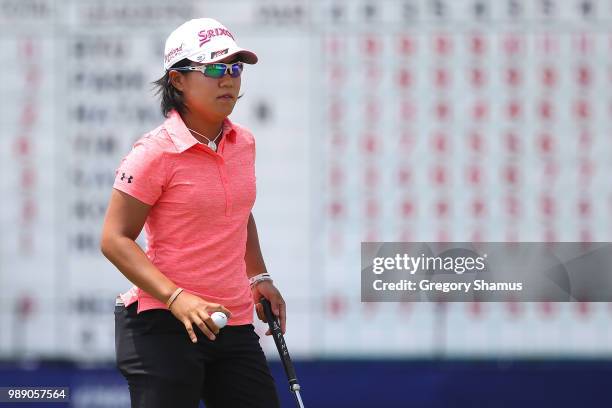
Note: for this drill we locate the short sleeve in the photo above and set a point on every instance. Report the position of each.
(141, 173)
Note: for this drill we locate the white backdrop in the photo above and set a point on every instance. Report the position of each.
(374, 120)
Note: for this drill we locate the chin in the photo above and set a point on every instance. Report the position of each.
(226, 112)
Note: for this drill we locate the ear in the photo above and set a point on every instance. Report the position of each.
(177, 80)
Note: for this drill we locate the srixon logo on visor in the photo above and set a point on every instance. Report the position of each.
(207, 35)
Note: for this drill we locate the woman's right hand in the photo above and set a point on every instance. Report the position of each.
(190, 309)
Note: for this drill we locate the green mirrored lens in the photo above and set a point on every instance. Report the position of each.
(215, 70)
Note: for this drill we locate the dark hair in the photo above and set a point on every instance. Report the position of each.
(171, 98)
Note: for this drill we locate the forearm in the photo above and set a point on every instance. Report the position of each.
(132, 262)
(253, 258)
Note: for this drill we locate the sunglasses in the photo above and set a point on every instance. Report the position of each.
(216, 70)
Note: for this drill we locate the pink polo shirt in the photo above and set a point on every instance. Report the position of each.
(201, 201)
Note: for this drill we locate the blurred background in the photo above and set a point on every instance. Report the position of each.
(411, 120)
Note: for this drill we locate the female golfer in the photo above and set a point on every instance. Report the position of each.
(191, 184)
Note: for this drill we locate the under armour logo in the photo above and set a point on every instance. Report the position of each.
(129, 178)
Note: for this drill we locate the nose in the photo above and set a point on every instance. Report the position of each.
(226, 79)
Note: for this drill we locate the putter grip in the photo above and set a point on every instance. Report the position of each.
(279, 340)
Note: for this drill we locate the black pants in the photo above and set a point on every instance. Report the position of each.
(165, 369)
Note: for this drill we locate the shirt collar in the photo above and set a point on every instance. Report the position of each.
(182, 137)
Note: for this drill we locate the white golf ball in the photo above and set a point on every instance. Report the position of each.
(220, 319)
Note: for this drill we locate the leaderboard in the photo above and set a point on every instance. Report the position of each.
(408, 120)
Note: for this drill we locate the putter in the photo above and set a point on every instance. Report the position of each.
(279, 340)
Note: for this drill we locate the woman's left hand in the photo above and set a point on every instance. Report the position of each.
(267, 290)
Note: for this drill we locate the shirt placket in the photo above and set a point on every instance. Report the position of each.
(225, 181)
(218, 156)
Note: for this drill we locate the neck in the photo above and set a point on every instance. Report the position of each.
(210, 129)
